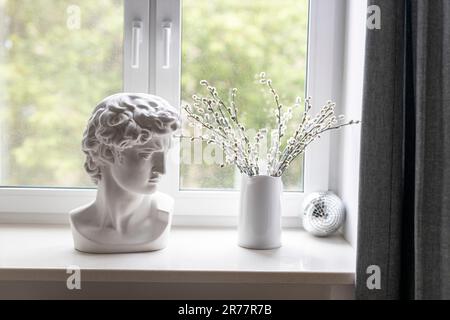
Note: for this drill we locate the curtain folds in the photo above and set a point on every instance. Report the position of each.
(404, 198)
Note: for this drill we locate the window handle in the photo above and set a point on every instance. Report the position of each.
(167, 33)
(136, 40)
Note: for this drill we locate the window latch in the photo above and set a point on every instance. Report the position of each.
(167, 33)
(136, 40)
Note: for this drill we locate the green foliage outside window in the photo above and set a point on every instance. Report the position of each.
(53, 71)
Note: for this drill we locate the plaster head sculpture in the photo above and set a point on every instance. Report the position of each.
(126, 142)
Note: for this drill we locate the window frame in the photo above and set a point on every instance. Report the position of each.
(200, 207)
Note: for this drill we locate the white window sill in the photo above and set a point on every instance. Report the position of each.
(194, 255)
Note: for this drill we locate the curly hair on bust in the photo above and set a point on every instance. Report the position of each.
(122, 121)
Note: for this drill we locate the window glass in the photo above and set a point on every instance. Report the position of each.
(228, 43)
(57, 60)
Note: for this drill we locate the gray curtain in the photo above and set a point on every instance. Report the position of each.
(404, 205)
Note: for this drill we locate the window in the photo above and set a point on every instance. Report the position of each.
(58, 59)
(244, 39)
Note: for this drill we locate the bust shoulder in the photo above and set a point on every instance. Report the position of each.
(83, 214)
(163, 201)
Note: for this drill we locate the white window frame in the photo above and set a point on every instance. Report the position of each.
(202, 207)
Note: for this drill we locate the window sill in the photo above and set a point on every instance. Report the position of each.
(194, 255)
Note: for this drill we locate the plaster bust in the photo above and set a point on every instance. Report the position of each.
(126, 142)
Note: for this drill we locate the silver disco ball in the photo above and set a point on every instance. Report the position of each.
(323, 213)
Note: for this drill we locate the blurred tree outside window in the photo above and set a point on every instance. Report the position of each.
(58, 59)
(228, 43)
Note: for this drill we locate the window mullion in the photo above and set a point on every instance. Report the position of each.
(136, 46)
(164, 72)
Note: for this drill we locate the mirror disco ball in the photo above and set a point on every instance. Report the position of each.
(323, 213)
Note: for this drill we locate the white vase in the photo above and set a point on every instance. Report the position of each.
(259, 224)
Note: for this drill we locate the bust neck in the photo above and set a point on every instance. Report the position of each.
(116, 205)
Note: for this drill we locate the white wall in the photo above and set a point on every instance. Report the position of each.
(345, 144)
